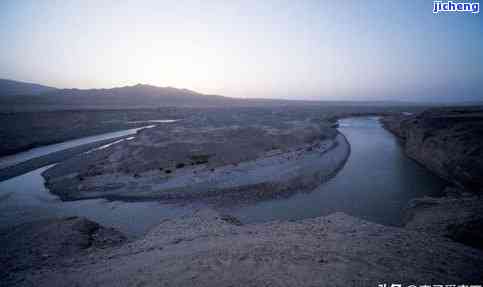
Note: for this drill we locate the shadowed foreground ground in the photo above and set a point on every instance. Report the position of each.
(209, 249)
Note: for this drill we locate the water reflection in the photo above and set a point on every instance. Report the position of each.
(25, 198)
(376, 183)
(44, 150)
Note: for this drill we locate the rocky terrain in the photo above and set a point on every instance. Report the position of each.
(209, 249)
(449, 142)
(207, 156)
(29, 124)
(459, 218)
(21, 131)
(50, 244)
(266, 156)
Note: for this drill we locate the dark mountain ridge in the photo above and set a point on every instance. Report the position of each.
(14, 88)
(26, 96)
(20, 96)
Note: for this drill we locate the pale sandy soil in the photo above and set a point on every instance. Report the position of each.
(182, 162)
(208, 249)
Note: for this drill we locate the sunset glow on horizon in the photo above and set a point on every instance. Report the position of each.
(315, 50)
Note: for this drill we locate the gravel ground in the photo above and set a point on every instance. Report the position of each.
(209, 249)
(184, 161)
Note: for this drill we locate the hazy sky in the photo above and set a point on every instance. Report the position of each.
(327, 50)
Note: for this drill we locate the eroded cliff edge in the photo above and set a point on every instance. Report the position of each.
(209, 249)
(449, 142)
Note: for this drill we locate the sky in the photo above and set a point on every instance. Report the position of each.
(312, 50)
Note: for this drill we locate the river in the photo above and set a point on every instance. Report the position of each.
(11, 160)
(25, 198)
(376, 184)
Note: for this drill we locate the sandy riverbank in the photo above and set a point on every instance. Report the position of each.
(208, 248)
(38, 162)
(185, 163)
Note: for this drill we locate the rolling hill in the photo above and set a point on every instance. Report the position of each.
(15, 88)
(19, 96)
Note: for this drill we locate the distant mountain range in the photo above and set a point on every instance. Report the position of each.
(21, 95)
(139, 94)
(13, 88)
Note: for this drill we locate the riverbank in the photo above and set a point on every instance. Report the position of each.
(448, 142)
(260, 163)
(51, 158)
(209, 249)
(360, 188)
(21, 131)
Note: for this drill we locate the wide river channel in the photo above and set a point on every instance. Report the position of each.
(376, 183)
